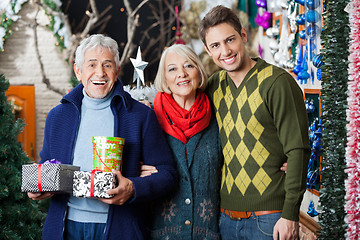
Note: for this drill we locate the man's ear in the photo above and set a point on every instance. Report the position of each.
(118, 71)
(207, 49)
(77, 72)
(244, 34)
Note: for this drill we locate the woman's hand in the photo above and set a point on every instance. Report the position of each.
(284, 167)
(147, 170)
(146, 102)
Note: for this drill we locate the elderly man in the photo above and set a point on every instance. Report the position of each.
(100, 107)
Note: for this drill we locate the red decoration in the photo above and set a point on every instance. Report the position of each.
(352, 183)
(179, 40)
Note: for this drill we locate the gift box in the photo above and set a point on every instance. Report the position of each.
(47, 177)
(93, 184)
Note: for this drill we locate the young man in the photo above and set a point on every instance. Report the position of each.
(263, 123)
(100, 107)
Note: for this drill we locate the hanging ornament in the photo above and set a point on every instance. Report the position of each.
(311, 210)
(292, 17)
(319, 74)
(299, 60)
(300, 19)
(313, 178)
(312, 16)
(310, 108)
(301, 2)
(317, 62)
(179, 40)
(139, 66)
(263, 18)
(261, 3)
(303, 74)
(302, 34)
(312, 4)
(260, 51)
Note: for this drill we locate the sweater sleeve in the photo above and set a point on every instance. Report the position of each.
(155, 152)
(290, 118)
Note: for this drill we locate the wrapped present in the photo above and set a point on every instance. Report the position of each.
(50, 176)
(107, 153)
(93, 184)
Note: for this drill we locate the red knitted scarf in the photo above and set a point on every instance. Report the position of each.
(178, 122)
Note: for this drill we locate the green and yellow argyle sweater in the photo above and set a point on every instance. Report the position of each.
(263, 123)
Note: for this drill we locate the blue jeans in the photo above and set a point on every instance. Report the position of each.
(258, 227)
(83, 231)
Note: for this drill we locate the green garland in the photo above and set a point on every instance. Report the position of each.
(335, 42)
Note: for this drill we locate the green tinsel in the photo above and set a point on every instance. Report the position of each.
(20, 217)
(335, 42)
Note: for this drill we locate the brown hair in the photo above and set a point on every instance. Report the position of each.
(216, 16)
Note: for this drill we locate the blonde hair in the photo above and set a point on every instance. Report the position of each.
(185, 52)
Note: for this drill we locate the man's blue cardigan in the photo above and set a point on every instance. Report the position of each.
(144, 142)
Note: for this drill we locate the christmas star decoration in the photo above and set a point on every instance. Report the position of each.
(139, 66)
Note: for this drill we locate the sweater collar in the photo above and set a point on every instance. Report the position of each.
(97, 104)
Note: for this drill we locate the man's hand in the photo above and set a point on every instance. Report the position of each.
(286, 230)
(122, 193)
(147, 170)
(39, 195)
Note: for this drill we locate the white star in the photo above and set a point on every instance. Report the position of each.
(139, 66)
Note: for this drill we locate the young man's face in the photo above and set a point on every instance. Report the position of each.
(226, 46)
(98, 72)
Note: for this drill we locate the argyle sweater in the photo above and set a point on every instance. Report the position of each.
(263, 123)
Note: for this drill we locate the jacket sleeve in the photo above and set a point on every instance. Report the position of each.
(290, 118)
(155, 152)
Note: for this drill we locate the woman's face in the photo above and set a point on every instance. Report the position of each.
(182, 77)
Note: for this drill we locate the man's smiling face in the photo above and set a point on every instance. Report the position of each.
(226, 46)
(98, 72)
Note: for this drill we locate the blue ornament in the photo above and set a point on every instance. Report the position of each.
(297, 69)
(311, 210)
(302, 2)
(312, 4)
(312, 179)
(311, 108)
(303, 74)
(317, 62)
(312, 16)
(312, 31)
(302, 34)
(312, 45)
(319, 74)
(300, 19)
(299, 60)
(316, 144)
